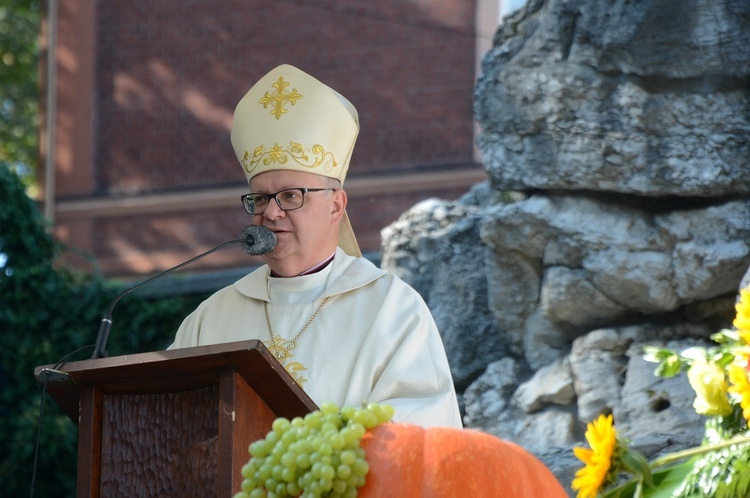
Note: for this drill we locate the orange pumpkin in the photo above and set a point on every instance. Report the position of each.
(411, 461)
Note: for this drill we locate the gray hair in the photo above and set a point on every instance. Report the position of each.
(329, 182)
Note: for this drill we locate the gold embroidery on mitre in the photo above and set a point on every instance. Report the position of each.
(306, 157)
(294, 368)
(279, 98)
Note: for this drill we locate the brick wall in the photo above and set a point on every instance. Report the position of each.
(166, 78)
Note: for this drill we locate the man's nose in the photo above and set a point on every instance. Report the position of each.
(273, 210)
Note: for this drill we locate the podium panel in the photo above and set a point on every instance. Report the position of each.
(160, 444)
(173, 423)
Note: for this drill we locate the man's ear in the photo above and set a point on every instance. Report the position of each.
(338, 206)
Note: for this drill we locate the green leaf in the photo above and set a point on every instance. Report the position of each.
(670, 362)
(655, 354)
(669, 367)
(637, 465)
(666, 481)
(725, 336)
(723, 358)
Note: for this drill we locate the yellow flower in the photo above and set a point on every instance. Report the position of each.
(709, 383)
(742, 321)
(602, 438)
(741, 387)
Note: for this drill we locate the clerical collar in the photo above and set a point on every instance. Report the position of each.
(309, 271)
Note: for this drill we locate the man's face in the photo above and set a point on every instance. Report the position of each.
(307, 235)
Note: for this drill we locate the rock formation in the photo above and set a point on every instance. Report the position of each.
(616, 139)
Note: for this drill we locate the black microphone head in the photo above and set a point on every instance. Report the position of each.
(258, 240)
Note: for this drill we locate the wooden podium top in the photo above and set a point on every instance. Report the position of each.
(176, 370)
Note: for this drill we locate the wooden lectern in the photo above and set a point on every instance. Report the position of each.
(172, 423)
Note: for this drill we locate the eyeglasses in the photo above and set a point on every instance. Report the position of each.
(288, 199)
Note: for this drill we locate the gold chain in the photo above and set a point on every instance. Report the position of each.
(281, 353)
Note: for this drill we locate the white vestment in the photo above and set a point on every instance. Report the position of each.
(373, 341)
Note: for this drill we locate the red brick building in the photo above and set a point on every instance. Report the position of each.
(142, 174)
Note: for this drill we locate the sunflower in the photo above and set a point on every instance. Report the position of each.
(598, 460)
(742, 320)
(741, 387)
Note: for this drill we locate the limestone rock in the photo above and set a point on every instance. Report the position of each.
(488, 397)
(656, 412)
(436, 248)
(598, 363)
(645, 98)
(616, 214)
(563, 265)
(551, 384)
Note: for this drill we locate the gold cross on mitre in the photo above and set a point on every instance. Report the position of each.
(279, 98)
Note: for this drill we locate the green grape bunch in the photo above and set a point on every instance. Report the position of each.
(318, 455)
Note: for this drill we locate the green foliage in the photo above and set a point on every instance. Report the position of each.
(670, 363)
(19, 99)
(739, 485)
(664, 483)
(721, 473)
(46, 313)
(724, 471)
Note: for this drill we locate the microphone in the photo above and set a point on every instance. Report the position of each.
(256, 240)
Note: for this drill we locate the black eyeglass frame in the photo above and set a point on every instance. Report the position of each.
(246, 204)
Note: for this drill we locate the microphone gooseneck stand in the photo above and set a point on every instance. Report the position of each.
(106, 324)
